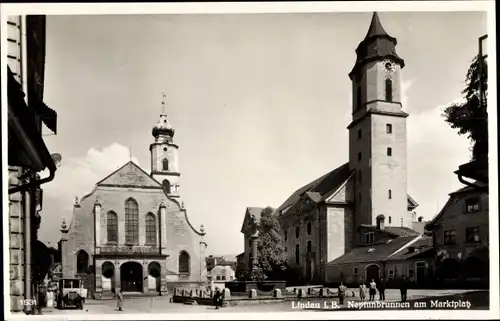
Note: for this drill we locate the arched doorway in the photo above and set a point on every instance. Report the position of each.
(372, 273)
(108, 271)
(154, 274)
(131, 277)
(82, 262)
(450, 269)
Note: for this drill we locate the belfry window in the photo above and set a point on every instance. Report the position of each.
(165, 164)
(389, 151)
(166, 186)
(388, 89)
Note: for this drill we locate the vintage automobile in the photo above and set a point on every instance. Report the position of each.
(71, 293)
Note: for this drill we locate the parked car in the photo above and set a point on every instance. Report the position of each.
(71, 293)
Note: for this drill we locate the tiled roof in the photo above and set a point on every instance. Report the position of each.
(373, 253)
(394, 230)
(321, 187)
(421, 245)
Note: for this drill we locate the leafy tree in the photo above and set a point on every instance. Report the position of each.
(471, 117)
(271, 251)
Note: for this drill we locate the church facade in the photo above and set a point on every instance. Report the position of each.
(332, 225)
(132, 231)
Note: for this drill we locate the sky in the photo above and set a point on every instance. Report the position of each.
(260, 104)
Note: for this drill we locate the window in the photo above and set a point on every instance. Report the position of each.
(358, 98)
(231, 277)
(355, 272)
(82, 262)
(309, 228)
(297, 232)
(286, 235)
(389, 151)
(217, 277)
(472, 204)
(369, 238)
(309, 246)
(184, 265)
(359, 176)
(359, 133)
(411, 273)
(388, 128)
(390, 220)
(286, 249)
(472, 234)
(165, 164)
(150, 229)
(131, 222)
(359, 197)
(391, 274)
(223, 278)
(297, 254)
(112, 227)
(449, 237)
(359, 156)
(166, 186)
(388, 89)
(390, 194)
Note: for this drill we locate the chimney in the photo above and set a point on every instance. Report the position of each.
(380, 222)
(420, 219)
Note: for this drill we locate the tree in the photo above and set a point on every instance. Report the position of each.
(271, 251)
(471, 117)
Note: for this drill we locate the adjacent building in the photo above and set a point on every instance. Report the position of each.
(220, 270)
(132, 231)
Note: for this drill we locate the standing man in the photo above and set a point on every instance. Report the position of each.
(217, 298)
(404, 289)
(119, 301)
(381, 289)
(342, 290)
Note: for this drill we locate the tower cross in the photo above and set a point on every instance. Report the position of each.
(163, 99)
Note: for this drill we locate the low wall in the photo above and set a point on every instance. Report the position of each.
(263, 286)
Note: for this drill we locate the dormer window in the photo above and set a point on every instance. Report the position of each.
(472, 204)
(369, 238)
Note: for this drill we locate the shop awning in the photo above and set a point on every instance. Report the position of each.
(26, 146)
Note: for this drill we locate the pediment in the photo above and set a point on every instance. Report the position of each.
(130, 175)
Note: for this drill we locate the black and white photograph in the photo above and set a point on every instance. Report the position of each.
(250, 160)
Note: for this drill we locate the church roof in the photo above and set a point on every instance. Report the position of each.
(129, 175)
(319, 189)
(394, 230)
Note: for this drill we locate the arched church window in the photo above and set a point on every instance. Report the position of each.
(297, 232)
(309, 228)
(184, 264)
(112, 227)
(309, 246)
(388, 89)
(165, 164)
(358, 98)
(166, 186)
(286, 235)
(150, 229)
(82, 262)
(131, 221)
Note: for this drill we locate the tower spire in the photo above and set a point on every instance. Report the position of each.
(376, 28)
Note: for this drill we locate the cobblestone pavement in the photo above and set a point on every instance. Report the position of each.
(162, 304)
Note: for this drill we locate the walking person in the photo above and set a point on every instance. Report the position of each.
(216, 298)
(381, 289)
(342, 290)
(119, 300)
(362, 291)
(373, 290)
(404, 289)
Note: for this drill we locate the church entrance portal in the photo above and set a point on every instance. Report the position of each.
(372, 273)
(131, 277)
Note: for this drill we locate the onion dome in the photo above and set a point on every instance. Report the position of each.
(163, 127)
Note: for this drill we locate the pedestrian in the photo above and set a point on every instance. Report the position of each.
(404, 289)
(362, 291)
(373, 290)
(381, 289)
(342, 290)
(119, 302)
(216, 298)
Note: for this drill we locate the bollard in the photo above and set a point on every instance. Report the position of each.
(277, 293)
(252, 294)
(294, 290)
(323, 292)
(302, 294)
(226, 296)
(192, 293)
(310, 291)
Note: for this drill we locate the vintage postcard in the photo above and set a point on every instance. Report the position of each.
(268, 160)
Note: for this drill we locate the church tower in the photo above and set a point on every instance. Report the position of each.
(164, 159)
(377, 133)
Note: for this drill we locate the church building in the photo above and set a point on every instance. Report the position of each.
(132, 231)
(342, 225)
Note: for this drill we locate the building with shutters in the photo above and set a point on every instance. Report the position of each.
(132, 231)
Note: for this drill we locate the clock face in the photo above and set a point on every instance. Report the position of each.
(389, 66)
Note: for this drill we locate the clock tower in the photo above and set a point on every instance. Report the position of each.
(377, 133)
(164, 158)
